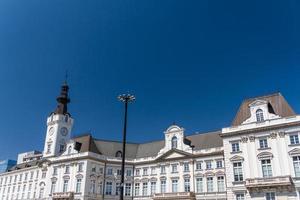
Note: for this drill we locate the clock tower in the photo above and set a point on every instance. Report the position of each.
(59, 125)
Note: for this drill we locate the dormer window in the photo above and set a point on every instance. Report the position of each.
(174, 142)
(119, 154)
(259, 115)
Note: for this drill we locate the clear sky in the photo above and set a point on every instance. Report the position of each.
(189, 62)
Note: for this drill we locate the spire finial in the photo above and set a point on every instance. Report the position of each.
(66, 76)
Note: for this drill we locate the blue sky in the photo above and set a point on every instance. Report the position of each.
(189, 62)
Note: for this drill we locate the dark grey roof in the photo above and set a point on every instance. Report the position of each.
(149, 149)
(277, 105)
(25, 165)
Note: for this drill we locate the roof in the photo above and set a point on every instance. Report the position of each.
(277, 102)
(150, 149)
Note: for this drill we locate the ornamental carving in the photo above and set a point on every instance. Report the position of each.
(281, 134)
(251, 138)
(273, 135)
(244, 139)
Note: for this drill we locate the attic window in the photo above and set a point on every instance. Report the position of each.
(259, 115)
(174, 142)
(119, 154)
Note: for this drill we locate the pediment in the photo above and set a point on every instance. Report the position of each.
(264, 155)
(174, 154)
(258, 103)
(295, 151)
(236, 158)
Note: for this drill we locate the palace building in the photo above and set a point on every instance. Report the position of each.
(256, 157)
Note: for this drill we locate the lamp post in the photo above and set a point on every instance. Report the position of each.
(126, 98)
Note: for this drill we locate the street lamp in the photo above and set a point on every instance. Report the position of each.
(126, 98)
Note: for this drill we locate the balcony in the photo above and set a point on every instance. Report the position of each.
(174, 195)
(269, 182)
(63, 196)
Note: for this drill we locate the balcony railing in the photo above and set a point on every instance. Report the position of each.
(177, 195)
(63, 195)
(268, 182)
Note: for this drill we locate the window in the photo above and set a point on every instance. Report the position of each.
(69, 149)
(162, 169)
(270, 196)
(153, 187)
(266, 168)
(163, 186)
(44, 174)
(145, 171)
(65, 185)
(118, 188)
(208, 164)
(145, 188)
(186, 167)
(127, 189)
(41, 194)
(221, 185)
(100, 186)
(240, 196)
(210, 184)
(198, 166)
(199, 185)
(108, 188)
(119, 154)
(128, 172)
(235, 147)
(93, 187)
(263, 143)
(109, 171)
(174, 185)
(61, 148)
(259, 115)
(54, 170)
(31, 176)
(219, 164)
(153, 170)
(187, 186)
(174, 142)
(296, 163)
(80, 167)
(119, 172)
(294, 139)
(53, 185)
(174, 168)
(137, 172)
(136, 189)
(101, 170)
(78, 185)
(67, 169)
(49, 148)
(238, 171)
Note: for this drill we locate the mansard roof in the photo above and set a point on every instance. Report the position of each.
(150, 149)
(277, 105)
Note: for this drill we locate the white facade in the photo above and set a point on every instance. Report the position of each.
(258, 159)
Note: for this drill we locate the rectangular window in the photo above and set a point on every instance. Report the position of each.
(198, 166)
(145, 189)
(108, 188)
(153, 187)
(199, 185)
(118, 188)
(266, 168)
(145, 171)
(127, 189)
(296, 163)
(235, 147)
(54, 170)
(210, 184)
(263, 143)
(163, 186)
(153, 170)
(53, 185)
(128, 172)
(294, 139)
(78, 185)
(119, 172)
(208, 164)
(238, 171)
(186, 167)
(100, 186)
(80, 167)
(219, 164)
(109, 171)
(67, 169)
(65, 185)
(137, 172)
(270, 196)
(93, 187)
(174, 168)
(221, 184)
(240, 197)
(136, 189)
(187, 186)
(44, 174)
(174, 185)
(162, 169)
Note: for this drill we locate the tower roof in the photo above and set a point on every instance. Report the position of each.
(63, 100)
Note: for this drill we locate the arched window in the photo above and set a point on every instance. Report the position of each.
(69, 149)
(259, 115)
(174, 142)
(119, 154)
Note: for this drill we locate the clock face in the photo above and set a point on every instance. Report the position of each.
(63, 131)
(51, 131)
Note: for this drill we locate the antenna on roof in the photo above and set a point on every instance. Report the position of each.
(66, 76)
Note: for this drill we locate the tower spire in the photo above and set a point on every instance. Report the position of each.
(63, 100)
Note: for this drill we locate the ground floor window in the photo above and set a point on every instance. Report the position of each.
(210, 184)
(108, 188)
(127, 189)
(187, 186)
(136, 189)
(174, 185)
(221, 187)
(240, 196)
(153, 187)
(145, 189)
(163, 186)
(270, 196)
(199, 184)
